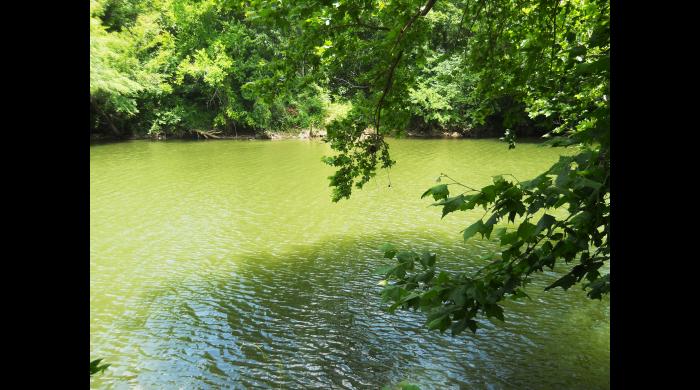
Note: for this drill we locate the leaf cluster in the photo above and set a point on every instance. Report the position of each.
(579, 184)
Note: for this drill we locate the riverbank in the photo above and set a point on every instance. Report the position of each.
(283, 135)
(196, 136)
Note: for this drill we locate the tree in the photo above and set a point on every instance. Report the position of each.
(551, 58)
(173, 66)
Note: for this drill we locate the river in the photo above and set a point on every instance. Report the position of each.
(224, 264)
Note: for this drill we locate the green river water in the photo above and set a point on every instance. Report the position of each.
(224, 264)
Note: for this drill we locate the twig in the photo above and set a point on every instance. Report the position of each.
(456, 182)
(358, 24)
(351, 84)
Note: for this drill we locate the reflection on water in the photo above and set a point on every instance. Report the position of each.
(225, 265)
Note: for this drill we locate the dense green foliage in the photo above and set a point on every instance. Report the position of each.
(172, 66)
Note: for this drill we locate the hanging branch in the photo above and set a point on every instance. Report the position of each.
(421, 12)
(554, 33)
(387, 87)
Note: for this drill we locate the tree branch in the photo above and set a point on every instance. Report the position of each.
(359, 24)
(387, 87)
(351, 85)
(421, 12)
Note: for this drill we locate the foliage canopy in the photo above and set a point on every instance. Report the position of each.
(171, 66)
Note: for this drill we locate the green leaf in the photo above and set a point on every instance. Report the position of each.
(581, 219)
(428, 297)
(520, 294)
(564, 282)
(383, 270)
(476, 227)
(405, 256)
(602, 64)
(526, 230)
(509, 238)
(500, 232)
(493, 219)
(494, 311)
(437, 323)
(442, 278)
(489, 193)
(95, 366)
(577, 51)
(458, 295)
(584, 182)
(439, 191)
(409, 297)
(428, 259)
(545, 222)
(426, 276)
(599, 287)
(389, 250)
(471, 324)
(459, 326)
(452, 204)
(561, 201)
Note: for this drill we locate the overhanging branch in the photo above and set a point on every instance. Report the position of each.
(390, 78)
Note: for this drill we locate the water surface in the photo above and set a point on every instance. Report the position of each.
(224, 264)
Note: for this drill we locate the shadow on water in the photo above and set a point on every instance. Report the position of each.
(311, 317)
(523, 140)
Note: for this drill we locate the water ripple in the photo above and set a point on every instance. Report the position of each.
(223, 265)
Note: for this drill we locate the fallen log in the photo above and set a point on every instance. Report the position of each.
(206, 134)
